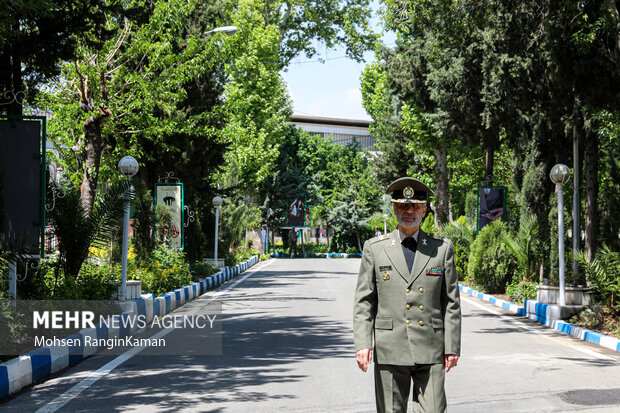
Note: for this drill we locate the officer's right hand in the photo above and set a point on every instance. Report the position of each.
(364, 357)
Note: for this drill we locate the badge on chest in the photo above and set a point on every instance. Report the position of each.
(435, 271)
(384, 269)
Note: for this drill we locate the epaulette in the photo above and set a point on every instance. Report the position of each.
(437, 236)
(379, 238)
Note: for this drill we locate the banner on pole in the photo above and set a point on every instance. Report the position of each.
(171, 195)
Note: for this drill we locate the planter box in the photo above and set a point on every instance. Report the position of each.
(220, 262)
(547, 294)
(133, 290)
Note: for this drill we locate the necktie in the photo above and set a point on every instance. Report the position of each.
(410, 243)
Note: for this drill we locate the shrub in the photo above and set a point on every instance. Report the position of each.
(95, 281)
(590, 318)
(428, 225)
(525, 246)
(603, 272)
(316, 248)
(462, 237)
(490, 262)
(167, 271)
(233, 258)
(521, 290)
(202, 270)
(98, 282)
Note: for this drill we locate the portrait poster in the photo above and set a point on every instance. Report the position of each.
(171, 195)
(22, 179)
(297, 212)
(491, 205)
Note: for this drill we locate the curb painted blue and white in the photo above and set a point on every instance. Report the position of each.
(540, 312)
(324, 254)
(37, 364)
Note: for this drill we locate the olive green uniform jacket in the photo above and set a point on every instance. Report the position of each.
(415, 316)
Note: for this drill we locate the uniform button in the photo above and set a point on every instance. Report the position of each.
(407, 306)
(421, 290)
(421, 308)
(421, 322)
(408, 290)
(408, 322)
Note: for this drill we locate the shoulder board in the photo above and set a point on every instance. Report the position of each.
(436, 236)
(379, 238)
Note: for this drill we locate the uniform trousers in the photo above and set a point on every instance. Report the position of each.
(393, 384)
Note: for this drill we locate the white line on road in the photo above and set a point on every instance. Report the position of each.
(524, 326)
(74, 391)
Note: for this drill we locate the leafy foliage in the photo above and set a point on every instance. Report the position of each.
(166, 271)
(77, 230)
(490, 262)
(462, 237)
(163, 224)
(428, 225)
(27, 28)
(525, 246)
(603, 272)
(520, 290)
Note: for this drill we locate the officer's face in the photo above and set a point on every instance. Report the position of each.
(409, 215)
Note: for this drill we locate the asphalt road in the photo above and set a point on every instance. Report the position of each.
(287, 347)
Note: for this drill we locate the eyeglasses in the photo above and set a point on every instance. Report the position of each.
(405, 207)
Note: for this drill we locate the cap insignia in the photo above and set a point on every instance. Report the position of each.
(408, 192)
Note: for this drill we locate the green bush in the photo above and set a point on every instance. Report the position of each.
(95, 281)
(462, 237)
(428, 225)
(490, 262)
(167, 271)
(316, 248)
(241, 255)
(603, 271)
(98, 282)
(590, 318)
(202, 270)
(521, 290)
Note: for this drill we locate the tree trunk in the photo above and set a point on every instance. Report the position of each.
(488, 166)
(93, 149)
(591, 175)
(577, 133)
(441, 186)
(12, 80)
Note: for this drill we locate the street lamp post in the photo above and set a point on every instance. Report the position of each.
(559, 175)
(217, 203)
(229, 30)
(128, 166)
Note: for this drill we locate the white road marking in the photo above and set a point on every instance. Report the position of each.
(524, 326)
(74, 391)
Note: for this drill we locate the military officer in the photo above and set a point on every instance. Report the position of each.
(407, 297)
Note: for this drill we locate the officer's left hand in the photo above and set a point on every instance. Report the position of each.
(450, 361)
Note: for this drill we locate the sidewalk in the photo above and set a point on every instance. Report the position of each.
(37, 364)
(539, 312)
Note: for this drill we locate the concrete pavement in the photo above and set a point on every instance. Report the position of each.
(287, 346)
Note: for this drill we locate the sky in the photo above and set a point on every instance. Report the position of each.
(330, 89)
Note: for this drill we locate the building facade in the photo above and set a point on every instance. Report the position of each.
(338, 131)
